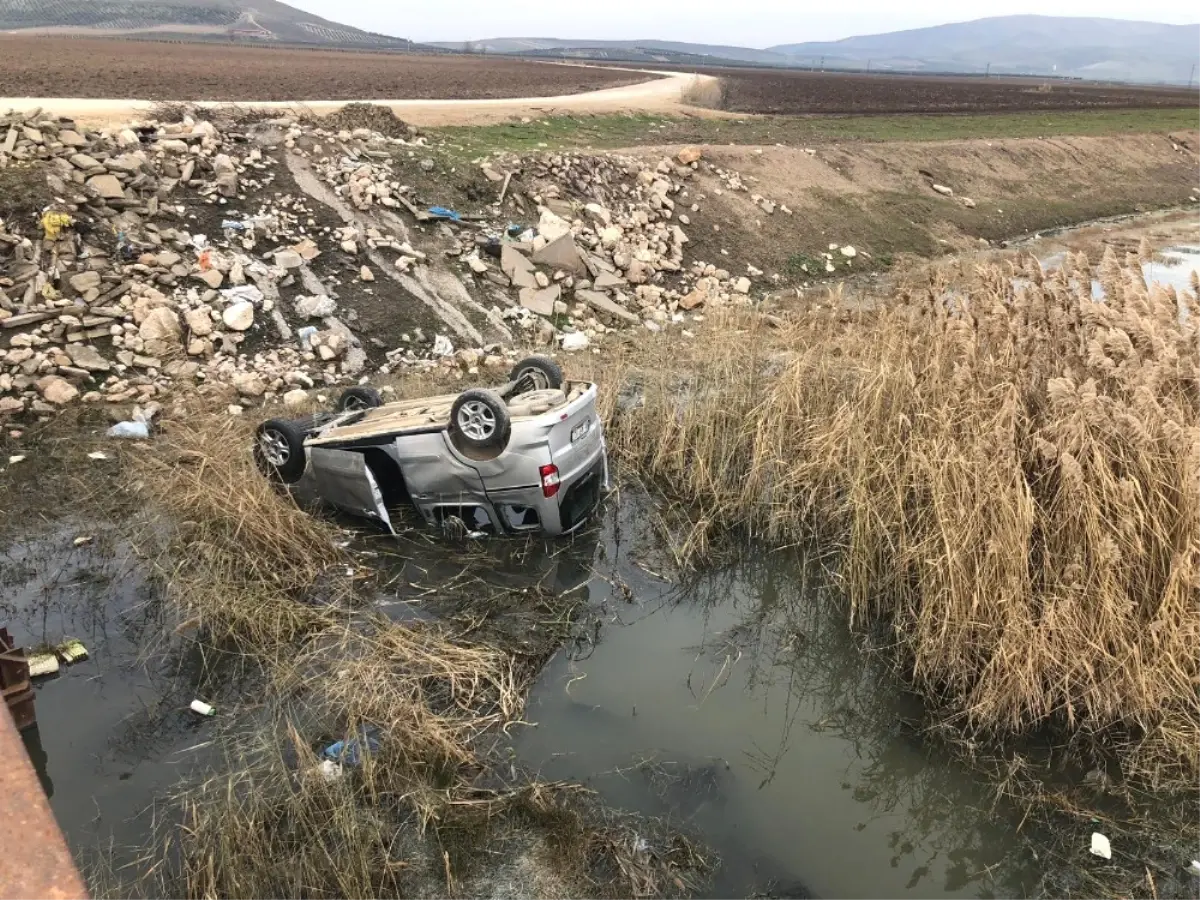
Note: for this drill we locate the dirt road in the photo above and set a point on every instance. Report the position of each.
(663, 94)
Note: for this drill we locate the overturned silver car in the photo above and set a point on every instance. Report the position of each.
(528, 456)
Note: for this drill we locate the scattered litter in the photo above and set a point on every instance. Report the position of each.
(53, 223)
(576, 340)
(349, 751)
(441, 212)
(306, 334)
(1194, 868)
(97, 454)
(136, 430)
(13, 460)
(199, 241)
(233, 225)
(82, 540)
(201, 708)
(205, 260)
(243, 293)
(71, 651)
(42, 664)
(849, 252)
(442, 346)
(640, 844)
(1100, 846)
(330, 770)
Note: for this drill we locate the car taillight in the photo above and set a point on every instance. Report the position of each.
(550, 480)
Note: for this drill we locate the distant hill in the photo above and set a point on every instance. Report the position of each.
(1104, 49)
(648, 50)
(253, 21)
(1085, 48)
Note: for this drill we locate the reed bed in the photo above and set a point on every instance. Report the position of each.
(1008, 465)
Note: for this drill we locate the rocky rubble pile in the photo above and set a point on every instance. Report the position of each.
(607, 249)
(111, 294)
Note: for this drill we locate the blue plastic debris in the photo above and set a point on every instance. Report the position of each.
(514, 229)
(349, 752)
(442, 213)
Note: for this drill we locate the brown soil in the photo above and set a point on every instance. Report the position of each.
(797, 92)
(82, 67)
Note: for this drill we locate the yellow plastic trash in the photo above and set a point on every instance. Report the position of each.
(53, 223)
(41, 664)
(72, 650)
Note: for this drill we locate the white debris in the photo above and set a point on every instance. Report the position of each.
(1100, 846)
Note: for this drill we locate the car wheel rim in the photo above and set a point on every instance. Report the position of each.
(274, 448)
(476, 420)
(534, 377)
(353, 404)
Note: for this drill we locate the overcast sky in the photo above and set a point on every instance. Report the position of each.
(747, 23)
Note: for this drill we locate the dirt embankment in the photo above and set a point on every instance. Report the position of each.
(880, 198)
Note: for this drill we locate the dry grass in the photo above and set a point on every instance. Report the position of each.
(426, 812)
(235, 556)
(1009, 468)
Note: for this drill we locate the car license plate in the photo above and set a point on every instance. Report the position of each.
(579, 432)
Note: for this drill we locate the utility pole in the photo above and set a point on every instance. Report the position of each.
(1192, 76)
(987, 73)
(868, 65)
(822, 64)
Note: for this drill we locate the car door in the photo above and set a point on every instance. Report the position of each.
(344, 480)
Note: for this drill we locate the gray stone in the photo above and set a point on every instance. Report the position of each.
(295, 399)
(85, 281)
(561, 254)
(226, 175)
(513, 260)
(126, 162)
(238, 316)
(88, 357)
(524, 278)
(160, 330)
(10, 405)
(317, 307)
(540, 301)
(83, 161)
(211, 277)
(107, 186)
(167, 258)
(249, 384)
(199, 322)
(606, 280)
(69, 138)
(57, 390)
(366, 274)
(288, 259)
(601, 303)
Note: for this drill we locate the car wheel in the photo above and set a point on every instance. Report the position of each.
(480, 424)
(536, 373)
(279, 449)
(358, 398)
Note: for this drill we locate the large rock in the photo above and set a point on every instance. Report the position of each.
(160, 331)
(561, 254)
(226, 175)
(540, 302)
(513, 260)
(288, 259)
(69, 138)
(211, 277)
(606, 280)
(57, 390)
(296, 399)
(10, 405)
(107, 186)
(85, 281)
(85, 162)
(689, 155)
(85, 356)
(317, 307)
(552, 226)
(249, 384)
(238, 316)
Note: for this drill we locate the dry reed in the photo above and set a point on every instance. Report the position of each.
(1010, 468)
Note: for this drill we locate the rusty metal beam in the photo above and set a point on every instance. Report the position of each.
(34, 859)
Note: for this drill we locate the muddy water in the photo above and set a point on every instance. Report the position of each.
(738, 704)
(112, 731)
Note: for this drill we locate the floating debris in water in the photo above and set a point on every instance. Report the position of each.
(42, 664)
(71, 650)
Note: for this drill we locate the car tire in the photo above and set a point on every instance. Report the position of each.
(539, 373)
(480, 425)
(279, 449)
(359, 398)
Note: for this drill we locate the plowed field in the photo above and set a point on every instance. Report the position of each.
(150, 70)
(785, 92)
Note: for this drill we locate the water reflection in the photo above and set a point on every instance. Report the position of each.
(738, 701)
